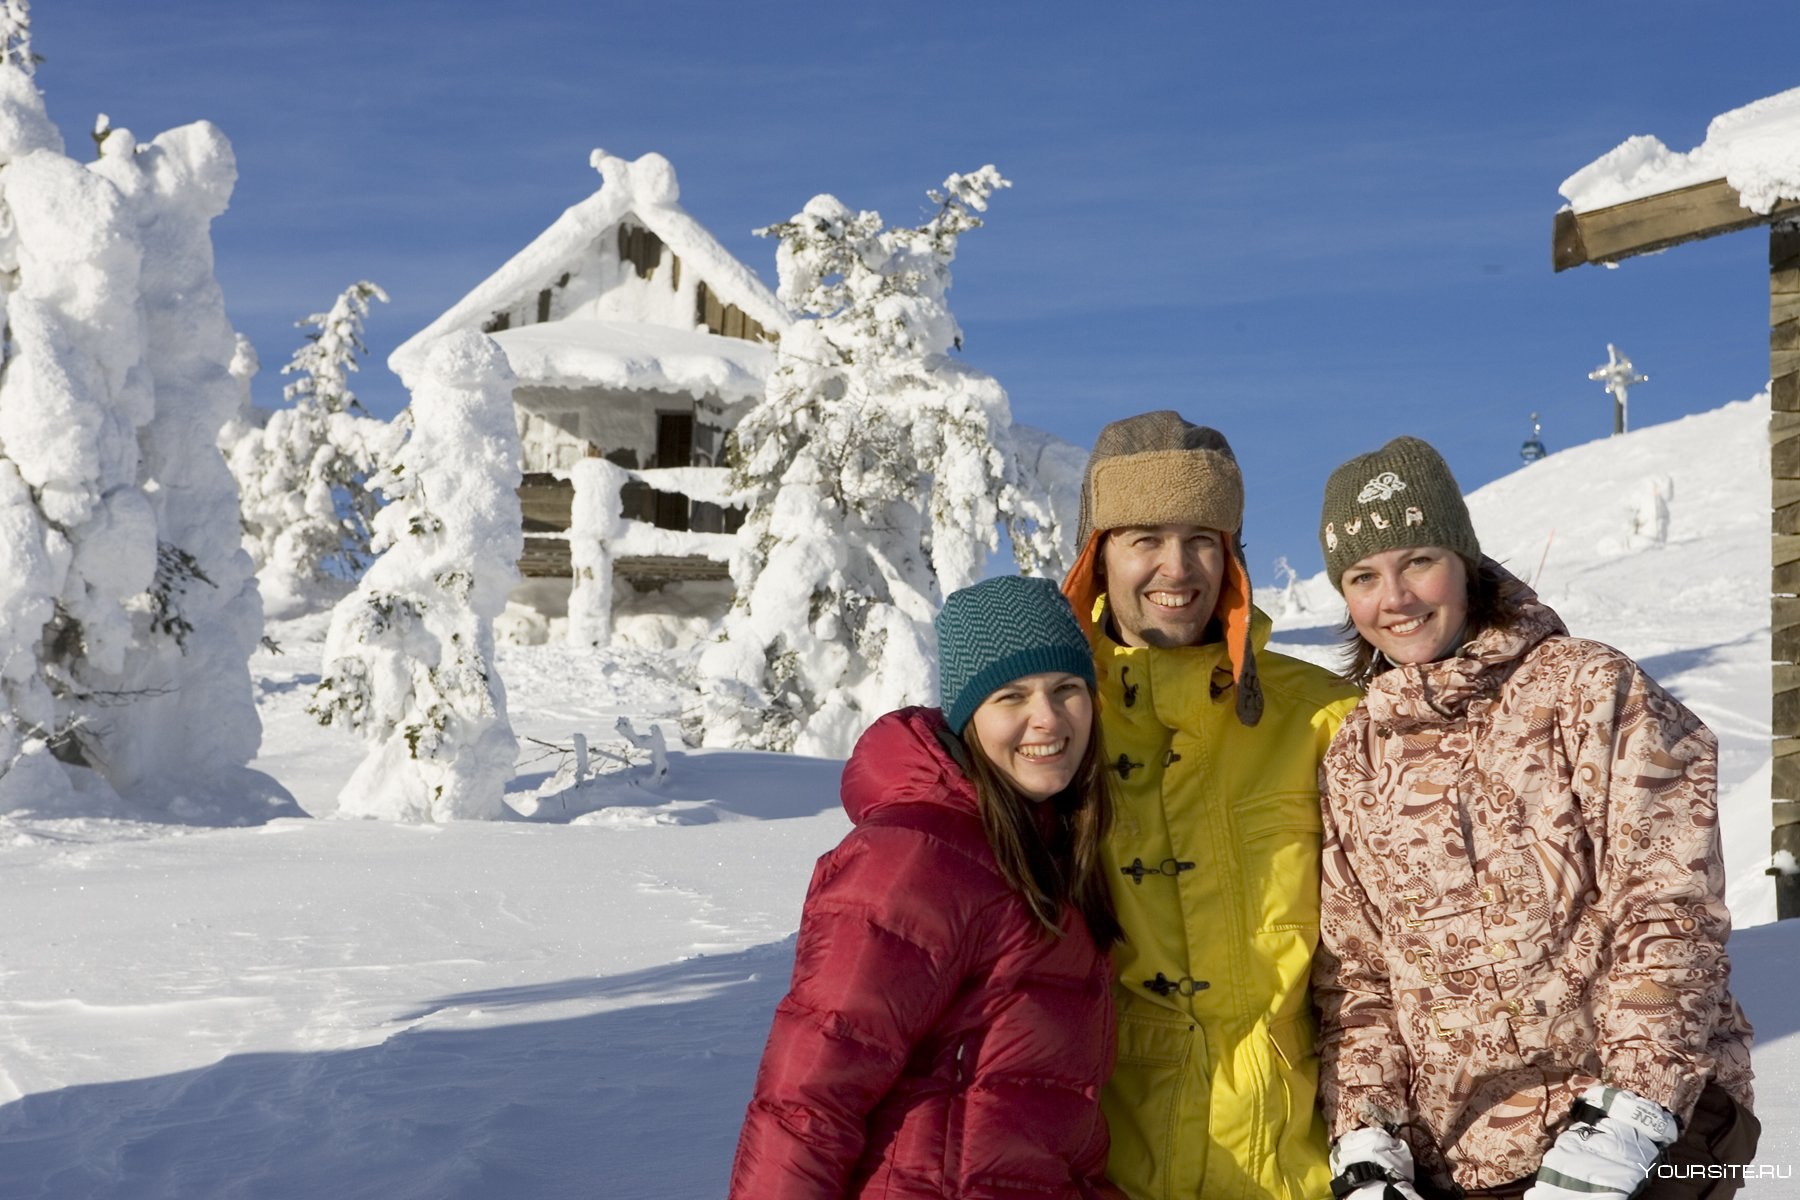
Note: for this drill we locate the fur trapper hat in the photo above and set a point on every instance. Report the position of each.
(1158, 469)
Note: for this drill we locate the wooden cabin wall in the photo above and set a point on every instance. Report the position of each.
(558, 427)
(1784, 462)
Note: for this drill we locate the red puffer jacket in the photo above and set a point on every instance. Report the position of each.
(936, 1042)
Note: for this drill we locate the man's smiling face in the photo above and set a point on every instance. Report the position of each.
(1162, 582)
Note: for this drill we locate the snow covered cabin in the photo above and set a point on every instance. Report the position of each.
(636, 337)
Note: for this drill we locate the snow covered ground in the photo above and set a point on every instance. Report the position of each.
(572, 1004)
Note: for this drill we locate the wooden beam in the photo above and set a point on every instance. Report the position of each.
(546, 501)
(548, 558)
(1786, 500)
(1784, 721)
(1785, 635)
(1786, 781)
(1654, 223)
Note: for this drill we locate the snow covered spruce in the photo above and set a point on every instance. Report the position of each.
(409, 659)
(129, 614)
(303, 471)
(879, 470)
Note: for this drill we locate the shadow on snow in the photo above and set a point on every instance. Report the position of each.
(1663, 667)
(641, 1099)
(700, 789)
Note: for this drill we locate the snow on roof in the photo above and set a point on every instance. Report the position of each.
(1756, 149)
(644, 189)
(636, 357)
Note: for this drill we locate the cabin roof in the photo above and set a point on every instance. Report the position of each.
(633, 356)
(644, 190)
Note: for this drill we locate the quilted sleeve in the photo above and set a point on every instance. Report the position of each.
(884, 944)
(1362, 1058)
(1646, 773)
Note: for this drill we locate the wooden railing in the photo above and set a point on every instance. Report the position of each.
(639, 549)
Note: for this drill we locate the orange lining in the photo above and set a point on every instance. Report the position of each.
(1082, 584)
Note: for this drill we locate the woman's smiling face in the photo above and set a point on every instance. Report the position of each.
(1411, 604)
(1036, 729)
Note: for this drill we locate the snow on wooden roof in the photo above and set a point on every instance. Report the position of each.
(637, 357)
(1641, 197)
(1756, 149)
(644, 190)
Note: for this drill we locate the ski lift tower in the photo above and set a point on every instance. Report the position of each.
(1686, 214)
(1618, 375)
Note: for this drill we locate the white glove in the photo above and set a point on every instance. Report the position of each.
(1371, 1164)
(1608, 1152)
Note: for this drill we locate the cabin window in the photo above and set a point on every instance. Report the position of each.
(674, 448)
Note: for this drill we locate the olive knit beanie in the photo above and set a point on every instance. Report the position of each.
(1400, 495)
(999, 630)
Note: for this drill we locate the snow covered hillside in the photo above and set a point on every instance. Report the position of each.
(573, 1003)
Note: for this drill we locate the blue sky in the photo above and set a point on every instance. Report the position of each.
(1314, 226)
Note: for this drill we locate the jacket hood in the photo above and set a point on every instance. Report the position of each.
(1429, 693)
(903, 759)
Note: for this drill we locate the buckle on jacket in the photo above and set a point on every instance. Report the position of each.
(1442, 1009)
(1422, 908)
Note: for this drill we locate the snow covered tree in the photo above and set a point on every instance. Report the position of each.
(15, 35)
(879, 470)
(129, 613)
(304, 472)
(409, 660)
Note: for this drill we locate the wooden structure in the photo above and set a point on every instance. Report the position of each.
(636, 337)
(1685, 215)
(547, 503)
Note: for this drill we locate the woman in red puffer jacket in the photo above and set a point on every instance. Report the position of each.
(950, 1022)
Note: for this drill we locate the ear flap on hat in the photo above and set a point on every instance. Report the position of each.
(1235, 601)
(1082, 584)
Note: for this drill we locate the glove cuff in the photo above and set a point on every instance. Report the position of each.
(1646, 1116)
(1369, 1155)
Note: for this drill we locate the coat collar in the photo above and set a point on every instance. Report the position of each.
(1436, 692)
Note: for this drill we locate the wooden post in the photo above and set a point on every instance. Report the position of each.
(1704, 210)
(1784, 463)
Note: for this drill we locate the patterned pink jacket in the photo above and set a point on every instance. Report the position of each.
(1523, 895)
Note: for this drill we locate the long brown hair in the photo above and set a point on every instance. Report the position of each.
(1065, 867)
(1493, 602)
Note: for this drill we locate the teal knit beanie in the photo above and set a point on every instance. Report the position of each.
(999, 630)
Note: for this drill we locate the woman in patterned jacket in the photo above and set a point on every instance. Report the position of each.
(1522, 972)
(950, 1021)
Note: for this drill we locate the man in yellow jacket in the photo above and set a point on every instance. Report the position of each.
(1214, 857)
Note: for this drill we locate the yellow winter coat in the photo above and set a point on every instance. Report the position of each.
(1214, 863)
